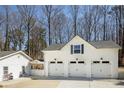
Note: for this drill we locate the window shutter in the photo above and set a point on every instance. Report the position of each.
(82, 48)
(71, 49)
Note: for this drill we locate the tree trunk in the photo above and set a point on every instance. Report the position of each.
(49, 27)
(104, 28)
(6, 46)
(20, 45)
(28, 30)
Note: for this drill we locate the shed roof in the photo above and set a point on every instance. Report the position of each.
(5, 53)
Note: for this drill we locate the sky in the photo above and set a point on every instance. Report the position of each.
(66, 10)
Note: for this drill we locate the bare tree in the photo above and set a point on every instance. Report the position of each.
(28, 15)
(49, 12)
(2, 19)
(17, 33)
(58, 25)
(104, 10)
(37, 34)
(1, 42)
(17, 38)
(74, 10)
(68, 28)
(7, 39)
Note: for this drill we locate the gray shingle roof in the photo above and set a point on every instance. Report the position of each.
(97, 44)
(5, 53)
(54, 47)
(105, 44)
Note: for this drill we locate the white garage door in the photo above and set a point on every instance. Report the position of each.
(101, 69)
(56, 68)
(77, 69)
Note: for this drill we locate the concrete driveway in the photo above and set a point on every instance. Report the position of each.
(41, 82)
(91, 84)
(63, 83)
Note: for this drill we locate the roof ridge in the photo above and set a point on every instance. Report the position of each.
(96, 44)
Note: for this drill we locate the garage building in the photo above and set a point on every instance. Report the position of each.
(79, 58)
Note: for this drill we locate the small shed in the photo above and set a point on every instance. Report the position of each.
(36, 68)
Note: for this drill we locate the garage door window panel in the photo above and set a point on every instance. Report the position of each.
(81, 62)
(73, 62)
(105, 62)
(52, 62)
(59, 62)
(96, 62)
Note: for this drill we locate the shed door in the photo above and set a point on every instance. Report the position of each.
(101, 70)
(23, 69)
(56, 69)
(77, 69)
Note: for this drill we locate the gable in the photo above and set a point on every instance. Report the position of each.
(61, 46)
(77, 40)
(6, 54)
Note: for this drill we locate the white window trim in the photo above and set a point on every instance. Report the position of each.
(74, 49)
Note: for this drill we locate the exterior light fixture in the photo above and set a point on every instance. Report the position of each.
(101, 58)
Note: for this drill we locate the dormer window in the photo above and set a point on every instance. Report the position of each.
(77, 49)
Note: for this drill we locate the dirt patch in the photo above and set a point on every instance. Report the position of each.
(29, 83)
(121, 73)
(13, 82)
(1, 86)
(37, 84)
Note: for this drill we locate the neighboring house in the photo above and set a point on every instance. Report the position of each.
(79, 58)
(13, 62)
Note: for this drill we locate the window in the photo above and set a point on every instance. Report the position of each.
(5, 70)
(81, 62)
(52, 62)
(73, 62)
(105, 62)
(60, 62)
(77, 49)
(37, 66)
(96, 62)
